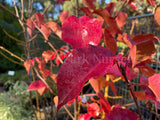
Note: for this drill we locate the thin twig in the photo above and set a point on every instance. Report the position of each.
(12, 37)
(10, 59)
(11, 53)
(35, 69)
(69, 113)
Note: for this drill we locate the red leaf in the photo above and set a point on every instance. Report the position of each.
(98, 83)
(110, 42)
(110, 7)
(93, 109)
(39, 19)
(110, 21)
(81, 32)
(71, 101)
(133, 6)
(45, 73)
(36, 85)
(154, 83)
(151, 2)
(118, 113)
(104, 103)
(45, 31)
(30, 26)
(60, 1)
(121, 19)
(55, 28)
(87, 11)
(41, 63)
(63, 16)
(85, 116)
(81, 65)
(48, 55)
(140, 95)
(157, 14)
(90, 4)
(43, 90)
(148, 92)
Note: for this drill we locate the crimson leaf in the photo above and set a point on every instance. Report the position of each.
(81, 65)
(81, 32)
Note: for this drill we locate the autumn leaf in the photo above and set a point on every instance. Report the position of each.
(39, 19)
(90, 4)
(30, 26)
(119, 113)
(36, 85)
(81, 65)
(27, 64)
(81, 32)
(87, 11)
(121, 19)
(110, 21)
(140, 95)
(42, 90)
(48, 55)
(157, 14)
(110, 7)
(63, 16)
(98, 83)
(110, 42)
(154, 83)
(104, 103)
(137, 52)
(151, 2)
(148, 92)
(55, 28)
(45, 30)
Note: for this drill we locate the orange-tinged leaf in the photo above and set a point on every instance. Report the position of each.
(121, 19)
(27, 65)
(63, 16)
(154, 83)
(140, 95)
(39, 19)
(41, 63)
(43, 90)
(45, 31)
(125, 38)
(53, 76)
(98, 83)
(110, 21)
(48, 55)
(151, 2)
(55, 99)
(157, 14)
(90, 4)
(55, 28)
(143, 48)
(110, 42)
(30, 26)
